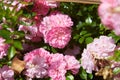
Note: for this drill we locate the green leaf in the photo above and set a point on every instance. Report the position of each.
(76, 37)
(116, 70)
(88, 40)
(83, 33)
(53, 50)
(11, 52)
(116, 56)
(17, 44)
(69, 77)
(20, 34)
(81, 40)
(87, 35)
(83, 74)
(114, 36)
(90, 76)
(9, 41)
(5, 34)
(88, 20)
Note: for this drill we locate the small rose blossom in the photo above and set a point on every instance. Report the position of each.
(102, 47)
(6, 73)
(58, 37)
(72, 64)
(36, 63)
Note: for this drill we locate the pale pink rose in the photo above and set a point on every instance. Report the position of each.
(72, 51)
(102, 47)
(37, 63)
(58, 37)
(57, 69)
(3, 48)
(6, 73)
(109, 12)
(72, 64)
(55, 20)
(32, 33)
(88, 61)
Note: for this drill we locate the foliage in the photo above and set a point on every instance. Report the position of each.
(87, 26)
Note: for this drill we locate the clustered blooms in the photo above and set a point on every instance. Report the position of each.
(109, 12)
(40, 63)
(3, 48)
(41, 8)
(54, 28)
(101, 48)
(6, 73)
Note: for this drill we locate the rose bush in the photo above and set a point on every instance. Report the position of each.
(49, 40)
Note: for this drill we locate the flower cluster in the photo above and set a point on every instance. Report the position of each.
(54, 28)
(101, 48)
(40, 63)
(28, 27)
(109, 12)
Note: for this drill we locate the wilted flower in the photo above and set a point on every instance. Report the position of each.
(100, 48)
